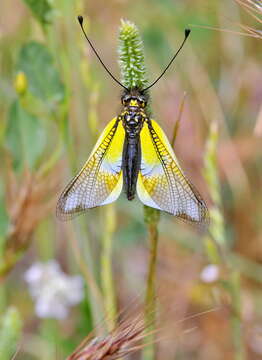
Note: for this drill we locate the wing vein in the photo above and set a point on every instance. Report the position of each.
(163, 184)
(99, 180)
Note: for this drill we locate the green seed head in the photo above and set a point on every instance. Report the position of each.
(131, 57)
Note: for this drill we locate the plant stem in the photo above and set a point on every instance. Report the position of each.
(86, 267)
(216, 243)
(151, 219)
(177, 123)
(106, 267)
(236, 323)
(150, 291)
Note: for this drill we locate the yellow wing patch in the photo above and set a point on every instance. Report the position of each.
(100, 180)
(161, 182)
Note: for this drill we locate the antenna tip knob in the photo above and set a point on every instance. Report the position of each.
(187, 32)
(80, 19)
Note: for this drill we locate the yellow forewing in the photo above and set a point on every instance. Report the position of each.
(100, 180)
(161, 182)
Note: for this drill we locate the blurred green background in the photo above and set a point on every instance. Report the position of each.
(55, 99)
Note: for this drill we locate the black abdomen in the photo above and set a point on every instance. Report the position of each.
(131, 161)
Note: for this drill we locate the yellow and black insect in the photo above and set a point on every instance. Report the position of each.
(133, 153)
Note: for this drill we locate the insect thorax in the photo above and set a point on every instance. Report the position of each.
(133, 114)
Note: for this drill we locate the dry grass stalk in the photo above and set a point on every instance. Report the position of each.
(251, 7)
(15, 354)
(254, 9)
(124, 339)
(28, 199)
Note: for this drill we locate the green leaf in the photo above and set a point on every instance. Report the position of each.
(41, 9)
(37, 63)
(25, 137)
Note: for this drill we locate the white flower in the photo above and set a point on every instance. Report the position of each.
(210, 273)
(54, 292)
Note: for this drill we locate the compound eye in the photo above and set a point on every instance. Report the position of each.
(125, 100)
(142, 103)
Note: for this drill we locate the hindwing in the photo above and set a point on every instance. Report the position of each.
(161, 181)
